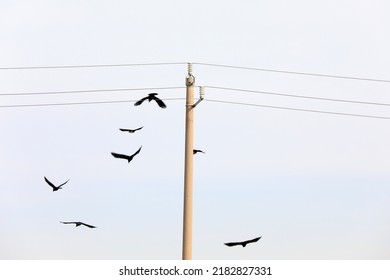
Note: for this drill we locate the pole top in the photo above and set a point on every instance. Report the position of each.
(190, 79)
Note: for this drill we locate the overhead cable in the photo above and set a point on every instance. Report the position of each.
(297, 109)
(300, 96)
(77, 103)
(90, 66)
(89, 90)
(293, 72)
(195, 63)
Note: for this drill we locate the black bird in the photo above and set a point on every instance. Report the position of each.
(130, 130)
(150, 97)
(243, 243)
(128, 158)
(55, 188)
(197, 151)
(78, 224)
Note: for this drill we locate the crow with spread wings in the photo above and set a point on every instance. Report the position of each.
(78, 224)
(150, 97)
(130, 130)
(126, 157)
(55, 188)
(243, 243)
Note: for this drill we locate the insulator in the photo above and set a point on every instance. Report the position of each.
(201, 92)
(190, 68)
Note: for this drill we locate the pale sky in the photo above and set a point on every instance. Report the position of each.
(314, 186)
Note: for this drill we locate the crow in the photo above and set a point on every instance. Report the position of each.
(243, 243)
(53, 186)
(197, 151)
(130, 130)
(128, 158)
(78, 224)
(150, 97)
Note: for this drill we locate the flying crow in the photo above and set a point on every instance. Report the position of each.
(128, 158)
(53, 186)
(243, 243)
(150, 97)
(78, 224)
(130, 130)
(197, 151)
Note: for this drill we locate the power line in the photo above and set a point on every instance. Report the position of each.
(182, 87)
(91, 66)
(77, 103)
(195, 63)
(293, 72)
(299, 96)
(297, 109)
(89, 90)
(173, 99)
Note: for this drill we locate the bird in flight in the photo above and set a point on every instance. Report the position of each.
(243, 243)
(197, 151)
(150, 97)
(130, 130)
(55, 188)
(128, 158)
(78, 224)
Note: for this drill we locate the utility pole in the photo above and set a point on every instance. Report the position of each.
(188, 167)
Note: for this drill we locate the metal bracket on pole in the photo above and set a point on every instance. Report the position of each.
(201, 96)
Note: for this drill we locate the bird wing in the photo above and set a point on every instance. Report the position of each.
(63, 183)
(159, 102)
(230, 244)
(87, 225)
(68, 223)
(138, 128)
(139, 102)
(123, 129)
(137, 152)
(120, 156)
(253, 240)
(50, 183)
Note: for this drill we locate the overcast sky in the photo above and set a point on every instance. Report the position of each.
(313, 185)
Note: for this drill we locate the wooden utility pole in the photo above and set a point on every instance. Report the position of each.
(188, 167)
